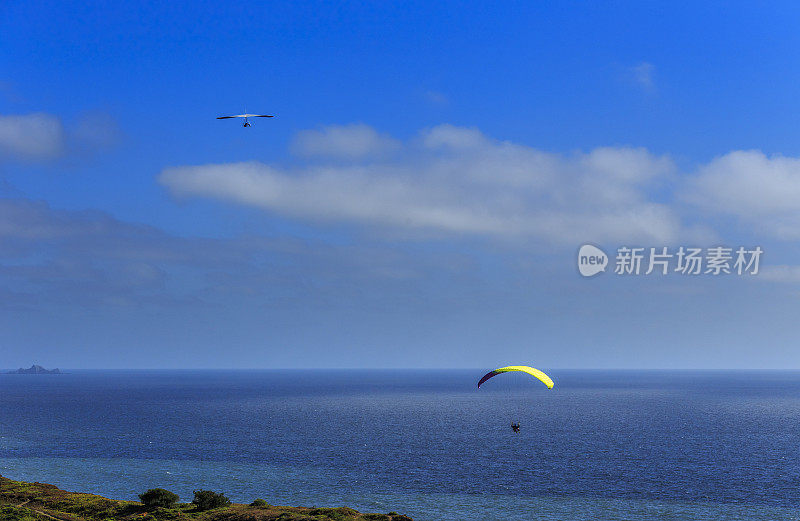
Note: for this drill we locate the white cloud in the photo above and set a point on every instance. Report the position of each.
(41, 136)
(642, 74)
(762, 192)
(457, 180)
(31, 136)
(344, 141)
(436, 98)
(780, 273)
(449, 136)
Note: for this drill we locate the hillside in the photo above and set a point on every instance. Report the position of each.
(21, 501)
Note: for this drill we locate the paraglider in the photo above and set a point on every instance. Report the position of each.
(539, 375)
(523, 368)
(245, 116)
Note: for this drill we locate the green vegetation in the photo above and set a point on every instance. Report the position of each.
(20, 501)
(209, 500)
(158, 498)
(19, 514)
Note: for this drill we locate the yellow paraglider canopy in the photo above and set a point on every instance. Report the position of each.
(523, 368)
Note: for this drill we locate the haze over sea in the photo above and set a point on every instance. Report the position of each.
(613, 445)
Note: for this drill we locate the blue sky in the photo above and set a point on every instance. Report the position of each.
(420, 196)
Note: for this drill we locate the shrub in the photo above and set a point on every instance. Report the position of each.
(207, 500)
(259, 503)
(335, 514)
(158, 497)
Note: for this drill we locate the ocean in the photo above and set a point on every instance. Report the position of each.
(602, 445)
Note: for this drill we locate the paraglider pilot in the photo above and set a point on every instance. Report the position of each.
(515, 427)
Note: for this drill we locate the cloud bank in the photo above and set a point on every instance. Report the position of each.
(455, 180)
(761, 192)
(343, 141)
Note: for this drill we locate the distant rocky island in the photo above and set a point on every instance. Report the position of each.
(21, 501)
(35, 369)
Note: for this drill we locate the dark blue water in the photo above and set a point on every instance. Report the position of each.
(601, 445)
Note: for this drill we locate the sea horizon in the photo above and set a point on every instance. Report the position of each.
(421, 369)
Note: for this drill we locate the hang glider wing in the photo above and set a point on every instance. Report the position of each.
(247, 116)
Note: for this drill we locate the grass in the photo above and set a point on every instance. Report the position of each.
(21, 501)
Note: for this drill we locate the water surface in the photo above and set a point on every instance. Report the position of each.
(601, 445)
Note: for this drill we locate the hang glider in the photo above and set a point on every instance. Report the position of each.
(245, 116)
